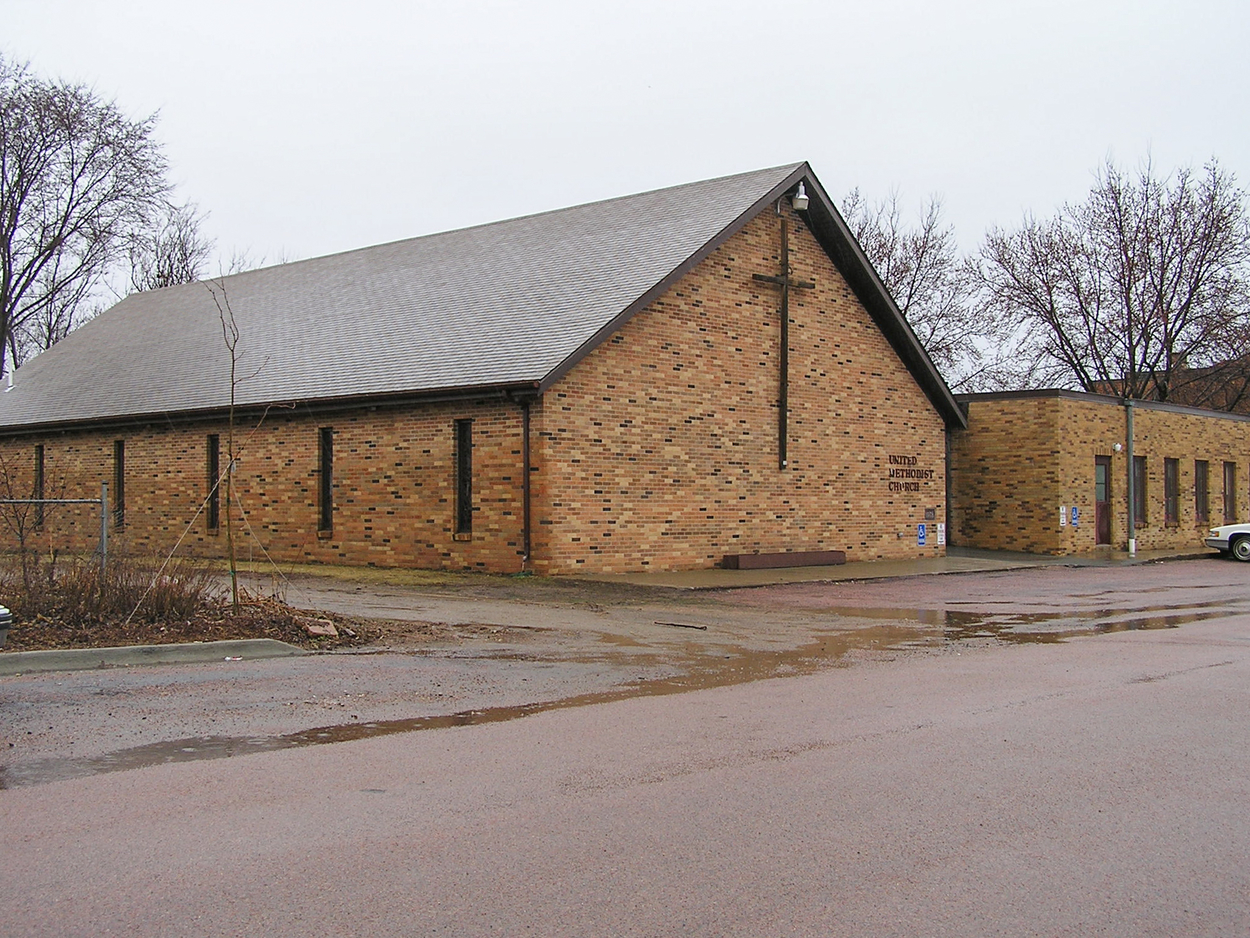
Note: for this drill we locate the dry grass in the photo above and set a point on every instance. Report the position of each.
(74, 591)
(62, 602)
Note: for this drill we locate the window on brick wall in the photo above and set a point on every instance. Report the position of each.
(464, 476)
(1230, 492)
(1171, 491)
(212, 509)
(38, 487)
(325, 480)
(1139, 491)
(1202, 491)
(119, 483)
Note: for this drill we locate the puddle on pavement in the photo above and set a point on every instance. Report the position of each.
(703, 664)
(955, 625)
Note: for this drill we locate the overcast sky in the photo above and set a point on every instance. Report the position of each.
(306, 128)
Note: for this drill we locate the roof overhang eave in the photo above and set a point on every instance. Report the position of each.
(653, 293)
(829, 227)
(511, 391)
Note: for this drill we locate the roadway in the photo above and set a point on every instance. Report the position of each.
(983, 785)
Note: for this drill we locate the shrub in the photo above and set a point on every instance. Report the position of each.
(73, 591)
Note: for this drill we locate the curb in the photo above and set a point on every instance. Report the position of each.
(1207, 554)
(864, 571)
(84, 659)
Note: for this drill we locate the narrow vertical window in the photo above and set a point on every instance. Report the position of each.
(1202, 491)
(464, 476)
(119, 483)
(1171, 491)
(325, 482)
(1230, 492)
(1139, 491)
(212, 509)
(38, 488)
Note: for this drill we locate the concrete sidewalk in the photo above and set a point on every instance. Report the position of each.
(85, 659)
(957, 560)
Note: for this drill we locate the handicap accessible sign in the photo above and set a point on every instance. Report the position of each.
(922, 533)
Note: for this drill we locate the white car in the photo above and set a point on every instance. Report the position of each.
(1231, 538)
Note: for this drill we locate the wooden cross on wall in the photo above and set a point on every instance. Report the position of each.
(787, 283)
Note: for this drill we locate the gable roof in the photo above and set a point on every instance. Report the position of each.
(507, 306)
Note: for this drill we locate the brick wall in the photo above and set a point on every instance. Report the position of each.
(393, 487)
(1004, 477)
(1022, 458)
(660, 449)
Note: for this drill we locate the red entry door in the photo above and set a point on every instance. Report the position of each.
(1102, 499)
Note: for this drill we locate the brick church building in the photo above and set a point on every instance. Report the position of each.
(660, 381)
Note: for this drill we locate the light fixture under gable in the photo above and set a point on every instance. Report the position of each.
(800, 199)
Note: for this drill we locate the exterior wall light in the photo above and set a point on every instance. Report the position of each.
(800, 199)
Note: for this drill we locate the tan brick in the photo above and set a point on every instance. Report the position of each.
(1021, 458)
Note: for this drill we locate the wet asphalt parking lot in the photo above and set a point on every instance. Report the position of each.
(512, 648)
(869, 661)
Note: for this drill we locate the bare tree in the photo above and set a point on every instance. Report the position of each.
(230, 338)
(171, 251)
(242, 259)
(930, 281)
(76, 178)
(1141, 291)
(66, 304)
(23, 511)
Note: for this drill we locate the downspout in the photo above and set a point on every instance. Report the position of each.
(783, 395)
(946, 513)
(525, 485)
(1132, 494)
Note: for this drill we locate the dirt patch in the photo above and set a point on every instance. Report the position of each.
(257, 618)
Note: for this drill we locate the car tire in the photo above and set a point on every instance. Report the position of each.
(1240, 549)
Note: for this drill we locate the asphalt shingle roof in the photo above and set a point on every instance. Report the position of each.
(506, 304)
(497, 304)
